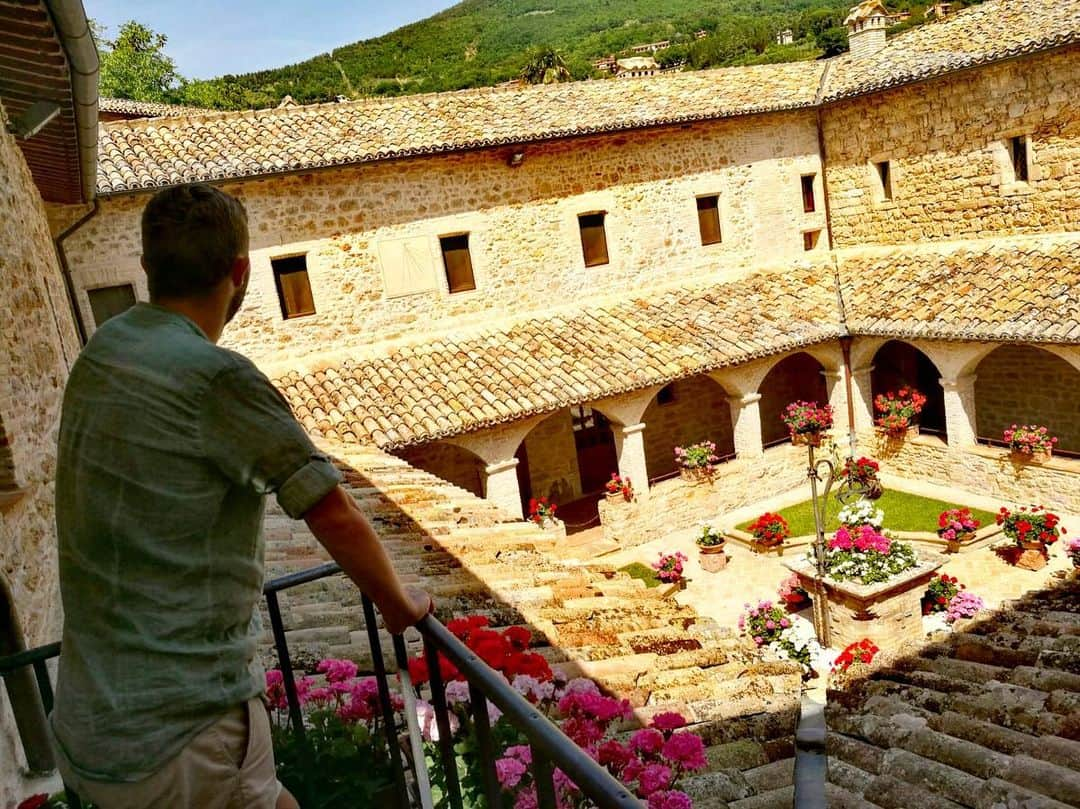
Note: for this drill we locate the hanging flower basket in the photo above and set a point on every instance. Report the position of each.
(807, 422)
(898, 411)
(1029, 443)
(806, 439)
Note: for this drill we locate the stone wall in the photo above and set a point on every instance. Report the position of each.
(984, 470)
(37, 344)
(675, 504)
(699, 411)
(524, 239)
(1026, 385)
(945, 141)
(448, 462)
(552, 459)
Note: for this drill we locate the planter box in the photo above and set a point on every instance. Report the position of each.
(910, 432)
(889, 614)
(695, 476)
(1042, 456)
(807, 439)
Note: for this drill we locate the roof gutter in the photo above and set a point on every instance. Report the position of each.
(73, 30)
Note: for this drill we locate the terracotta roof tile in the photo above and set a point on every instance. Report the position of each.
(1024, 290)
(412, 394)
(146, 109)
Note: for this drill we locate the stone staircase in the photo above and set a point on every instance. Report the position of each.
(989, 717)
(587, 618)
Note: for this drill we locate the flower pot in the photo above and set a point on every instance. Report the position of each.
(1032, 556)
(953, 545)
(1037, 457)
(696, 475)
(806, 439)
(713, 559)
(707, 550)
(613, 496)
(910, 431)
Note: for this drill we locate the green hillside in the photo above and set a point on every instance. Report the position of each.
(484, 42)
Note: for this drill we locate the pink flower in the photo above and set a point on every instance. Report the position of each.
(770, 624)
(648, 741)
(522, 752)
(509, 772)
(614, 756)
(687, 750)
(668, 720)
(654, 778)
(672, 799)
(785, 623)
(337, 671)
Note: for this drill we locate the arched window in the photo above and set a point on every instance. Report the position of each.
(897, 365)
(685, 412)
(793, 378)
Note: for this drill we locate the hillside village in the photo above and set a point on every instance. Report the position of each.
(573, 348)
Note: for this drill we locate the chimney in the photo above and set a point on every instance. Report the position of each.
(866, 25)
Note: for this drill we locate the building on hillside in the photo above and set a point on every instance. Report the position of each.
(938, 10)
(651, 47)
(785, 37)
(636, 67)
(605, 63)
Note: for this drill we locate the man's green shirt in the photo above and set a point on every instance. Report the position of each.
(168, 445)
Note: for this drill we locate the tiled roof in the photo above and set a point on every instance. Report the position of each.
(146, 109)
(1022, 290)
(994, 30)
(416, 393)
(987, 718)
(159, 152)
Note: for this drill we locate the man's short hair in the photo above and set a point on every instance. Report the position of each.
(191, 235)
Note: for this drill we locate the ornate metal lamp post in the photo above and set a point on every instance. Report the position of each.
(823, 470)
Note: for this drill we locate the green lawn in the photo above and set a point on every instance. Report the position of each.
(903, 512)
(639, 571)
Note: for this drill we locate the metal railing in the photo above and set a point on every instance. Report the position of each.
(550, 747)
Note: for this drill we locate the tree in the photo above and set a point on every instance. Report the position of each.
(135, 66)
(545, 66)
(833, 41)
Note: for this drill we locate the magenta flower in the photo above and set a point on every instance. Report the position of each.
(509, 772)
(670, 799)
(669, 720)
(687, 750)
(337, 671)
(654, 778)
(648, 741)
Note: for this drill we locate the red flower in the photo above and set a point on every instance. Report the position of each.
(34, 802)
(518, 636)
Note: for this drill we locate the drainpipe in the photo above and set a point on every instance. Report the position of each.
(845, 347)
(65, 268)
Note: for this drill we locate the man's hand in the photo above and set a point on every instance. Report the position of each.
(340, 526)
(399, 618)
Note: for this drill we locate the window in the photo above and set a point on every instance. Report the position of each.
(666, 395)
(810, 239)
(884, 173)
(107, 302)
(293, 287)
(708, 215)
(593, 239)
(458, 262)
(1018, 152)
(808, 205)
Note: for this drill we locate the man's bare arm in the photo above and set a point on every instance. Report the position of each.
(341, 527)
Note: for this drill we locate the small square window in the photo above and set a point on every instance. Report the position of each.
(708, 214)
(108, 302)
(810, 239)
(808, 203)
(666, 395)
(293, 286)
(458, 262)
(1018, 153)
(593, 239)
(884, 173)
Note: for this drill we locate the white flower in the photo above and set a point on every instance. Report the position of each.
(861, 512)
(429, 726)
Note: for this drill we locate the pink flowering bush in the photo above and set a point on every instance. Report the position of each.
(669, 567)
(866, 555)
(1029, 439)
(769, 626)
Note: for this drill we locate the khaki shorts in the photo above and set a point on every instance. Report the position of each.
(230, 765)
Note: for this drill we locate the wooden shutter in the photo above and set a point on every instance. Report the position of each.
(458, 262)
(293, 286)
(708, 214)
(108, 302)
(808, 204)
(593, 239)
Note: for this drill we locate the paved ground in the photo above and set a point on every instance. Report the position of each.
(750, 577)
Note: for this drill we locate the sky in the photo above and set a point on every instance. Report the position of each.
(208, 38)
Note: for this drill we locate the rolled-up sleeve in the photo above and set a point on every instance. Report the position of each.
(249, 432)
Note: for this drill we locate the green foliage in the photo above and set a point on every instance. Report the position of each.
(134, 65)
(833, 41)
(545, 66)
(637, 570)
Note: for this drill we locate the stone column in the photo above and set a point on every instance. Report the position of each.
(501, 486)
(836, 388)
(862, 392)
(746, 425)
(960, 410)
(630, 446)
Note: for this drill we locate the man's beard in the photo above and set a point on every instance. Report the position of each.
(236, 302)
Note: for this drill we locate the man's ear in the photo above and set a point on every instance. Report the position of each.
(240, 268)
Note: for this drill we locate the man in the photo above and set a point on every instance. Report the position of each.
(168, 445)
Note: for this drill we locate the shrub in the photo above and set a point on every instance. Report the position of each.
(669, 567)
(770, 529)
(941, 590)
(697, 456)
(769, 627)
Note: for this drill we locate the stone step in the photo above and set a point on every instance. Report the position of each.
(782, 798)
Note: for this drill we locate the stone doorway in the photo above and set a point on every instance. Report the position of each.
(595, 444)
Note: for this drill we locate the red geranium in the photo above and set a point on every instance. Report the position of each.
(770, 529)
(862, 651)
(1030, 524)
(34, 802)
(898, 409)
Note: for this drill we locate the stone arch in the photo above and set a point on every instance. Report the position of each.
(1025, 384)
(450, 462)
(685, 412)
(898, 363)
(797, 376)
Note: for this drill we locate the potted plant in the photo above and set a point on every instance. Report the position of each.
(939, 593)
(770, 530)
(669, 567)
(862, 473)
(792, 593)
(860, 513)
(1029, 443)
(1072, 550)
(807, 422)
(619, 488)
(542, 512)
(711, 545)
(697, 462)
(956, 526)
(867, 556)
(1032, 528)
(898, 411)
(853, 663)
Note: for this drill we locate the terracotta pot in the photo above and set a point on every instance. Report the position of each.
(612, 496)
(953, 545)
(713, 559)
(910, 431)
(806, 439)
(1042, 456)
(697, 475)
(710, 549)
